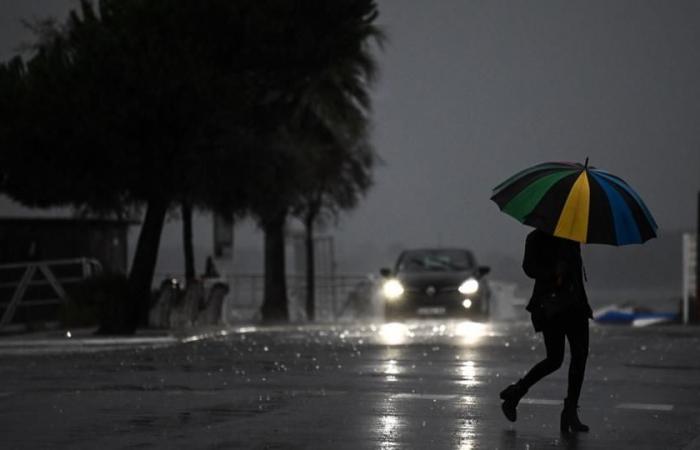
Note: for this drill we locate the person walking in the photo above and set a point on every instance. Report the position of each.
(559, 309)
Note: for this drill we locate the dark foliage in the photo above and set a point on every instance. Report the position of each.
(146, 105)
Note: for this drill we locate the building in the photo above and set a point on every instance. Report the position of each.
(35, 239)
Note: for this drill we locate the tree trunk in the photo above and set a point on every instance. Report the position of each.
(187, 241)
(310, 267)
(143, 266)
(275, 295)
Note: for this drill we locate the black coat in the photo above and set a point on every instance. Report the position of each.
(556, 266)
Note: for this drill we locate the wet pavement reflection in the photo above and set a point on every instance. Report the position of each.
(415, 384)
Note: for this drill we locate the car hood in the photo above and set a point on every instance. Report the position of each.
(437, 279)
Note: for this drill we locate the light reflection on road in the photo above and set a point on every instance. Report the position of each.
(392, 426)
(394, 333)
(471, 332)
(467, 371)
(391, 369)
(467, 332)
(467, 437)
(389, 424)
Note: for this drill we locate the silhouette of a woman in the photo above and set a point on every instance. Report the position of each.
(559, 309)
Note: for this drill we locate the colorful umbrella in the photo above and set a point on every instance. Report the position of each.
(576, 202)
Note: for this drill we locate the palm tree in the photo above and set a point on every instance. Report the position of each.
(320, 61)
(332, 123)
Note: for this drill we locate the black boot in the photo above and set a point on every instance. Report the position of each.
(511, 396)
(570, 420)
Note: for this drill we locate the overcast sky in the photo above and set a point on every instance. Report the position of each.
(472, 91)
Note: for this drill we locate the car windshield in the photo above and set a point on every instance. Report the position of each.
(435, 261)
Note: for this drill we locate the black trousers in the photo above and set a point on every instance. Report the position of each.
(574, 328)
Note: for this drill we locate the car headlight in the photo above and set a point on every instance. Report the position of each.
(392, 289)
(470, 286)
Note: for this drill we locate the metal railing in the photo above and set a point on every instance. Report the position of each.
(336, 296)
(48, 278)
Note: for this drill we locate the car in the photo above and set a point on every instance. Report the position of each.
(435, 282)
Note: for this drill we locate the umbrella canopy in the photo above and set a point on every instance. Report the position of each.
(577, 202)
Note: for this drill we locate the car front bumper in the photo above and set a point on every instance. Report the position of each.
(444, 304)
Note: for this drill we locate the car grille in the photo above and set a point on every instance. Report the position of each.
(443, 295)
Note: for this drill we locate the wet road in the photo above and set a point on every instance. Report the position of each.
(421, 385)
